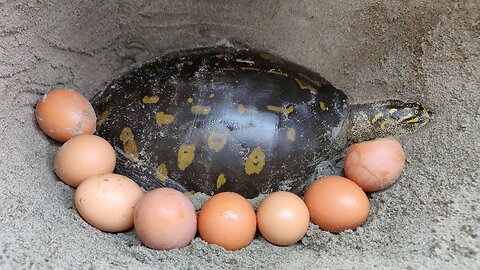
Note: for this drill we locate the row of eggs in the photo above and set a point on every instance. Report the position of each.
(164, 218)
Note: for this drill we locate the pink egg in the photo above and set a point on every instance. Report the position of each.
(374, 165)
(65, 113)
(337, 204)
(165, 219)
(228, 220)
(107, 201)
(282, 218)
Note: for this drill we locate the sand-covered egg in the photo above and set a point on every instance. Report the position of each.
(107, 201)
(337, 204)
(65, 113)
(82, 157)
(374, 165)
(282, 218)
(165, 219)
(228, 220)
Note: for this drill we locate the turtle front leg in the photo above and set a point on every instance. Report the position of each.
(333, 166)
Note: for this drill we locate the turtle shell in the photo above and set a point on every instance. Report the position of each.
(221, 119)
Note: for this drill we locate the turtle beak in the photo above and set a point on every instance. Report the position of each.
(426, 116)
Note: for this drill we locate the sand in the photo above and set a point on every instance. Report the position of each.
(413, 50)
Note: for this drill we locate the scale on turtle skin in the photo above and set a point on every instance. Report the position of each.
(226, 119)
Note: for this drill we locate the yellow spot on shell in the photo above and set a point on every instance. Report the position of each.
(323, 107)
(291, 133)
(102, 118)
(162, 172)
(304, 86)
(317, 83)
(242, 109)
(186, 153)
(217, 140)
(277, 109)
(196, 109)
(270, 57)
(276, 72)
(255, 161)
(274, 108)
(105, 99)
(266, 56)
(288, 111)
(189, 100)
(212, 95)
(129, 144)
(377, 117)
(392, 110)
(221, 180)
(150, 100)
(164, 119)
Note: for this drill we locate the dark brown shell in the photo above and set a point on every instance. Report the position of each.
(220, 119)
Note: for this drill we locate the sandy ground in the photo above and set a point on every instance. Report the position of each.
(413, 50)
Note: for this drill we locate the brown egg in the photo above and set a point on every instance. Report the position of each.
(165, 219)
(65, 113)
(227, 220)
(374, 165)
(82, 157)
(107, 201)
(336, 203)
(283, 218)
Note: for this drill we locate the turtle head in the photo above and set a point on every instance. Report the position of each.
(408, 116)
(387, 118)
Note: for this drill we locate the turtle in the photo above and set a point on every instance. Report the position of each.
(216, 119)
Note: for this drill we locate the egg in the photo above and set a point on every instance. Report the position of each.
(336, 204)
(82, 157)
(374, 165)
(165, 219)
(107, 201)
(228, 220)
(64, 113)
(282, 218)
